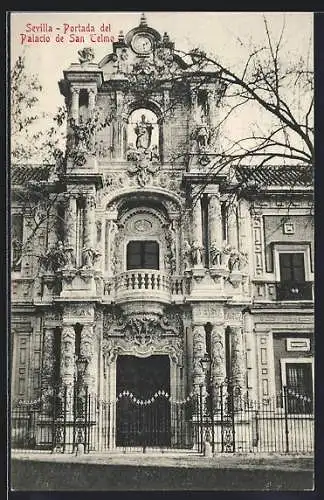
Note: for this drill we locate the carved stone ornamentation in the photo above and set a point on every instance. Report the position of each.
(218, 366)
(238, 360)
(89, 257)
(67, 354)
(145, 164)
(55, 258)
(197, 254)
(149, 347)
(170, 256)
(199, 349)
(86, 55)
(215, 254)
(48, 359)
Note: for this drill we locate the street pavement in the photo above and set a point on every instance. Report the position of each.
(158, 471)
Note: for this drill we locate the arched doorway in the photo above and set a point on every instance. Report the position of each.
(143, 416)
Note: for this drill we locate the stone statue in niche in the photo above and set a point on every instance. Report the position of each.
(187, 259)
(170, 257)
(202, 136)
(143, 130)
(215, 254)
(55, 258)
(196, 253)
(89, 257)
(70, 258)
(237, 261)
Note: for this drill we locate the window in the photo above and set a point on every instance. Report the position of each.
(143, 255)
(297, 377)
(16, 241)
(293, 285)
(292, 267)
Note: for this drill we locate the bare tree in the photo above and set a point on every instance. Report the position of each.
(282, 89)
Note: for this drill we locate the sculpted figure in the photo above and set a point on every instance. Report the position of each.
(186, 255)
(215, 254)
(89, 257)
(86, 55)
(196, 253)
(143, 131)
(202, 137)
(234, 261)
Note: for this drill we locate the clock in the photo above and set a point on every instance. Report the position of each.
(142, 44)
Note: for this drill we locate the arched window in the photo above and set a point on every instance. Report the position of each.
(143, 255)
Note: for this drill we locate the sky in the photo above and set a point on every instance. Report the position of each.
(227, 36)
(218, 33)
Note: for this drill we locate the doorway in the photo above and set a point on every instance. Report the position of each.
(144, 418)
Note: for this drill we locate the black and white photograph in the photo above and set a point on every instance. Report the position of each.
(161, 330)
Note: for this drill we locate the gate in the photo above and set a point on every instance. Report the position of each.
(157, 422)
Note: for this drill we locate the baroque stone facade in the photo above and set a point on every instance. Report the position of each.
(155, 257)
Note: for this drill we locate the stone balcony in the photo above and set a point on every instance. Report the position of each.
(145, 285)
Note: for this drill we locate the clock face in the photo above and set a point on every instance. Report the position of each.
(142, 44)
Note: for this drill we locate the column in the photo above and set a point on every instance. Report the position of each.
(194, 106)
(89, 222)
(70, 222)
(75, 104)
(48, 360)
(196, 218)
(91, 100)
(88, 350)
(199, 349)
(215, 228)
(238, 360)
(67, 366)
(52, 226)
(232, 225)
(218, 364)
(91, 107)
(118, 125)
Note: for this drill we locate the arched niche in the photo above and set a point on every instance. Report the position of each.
(144, 129)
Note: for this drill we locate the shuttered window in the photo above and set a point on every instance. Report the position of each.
(143, 255)
(292, 267)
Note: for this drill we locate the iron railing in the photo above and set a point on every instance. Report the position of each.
(228, 420)
(293, 290)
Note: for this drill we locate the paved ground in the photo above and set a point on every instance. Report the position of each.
(131, 472)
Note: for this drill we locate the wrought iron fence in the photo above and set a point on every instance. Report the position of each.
(226, 419)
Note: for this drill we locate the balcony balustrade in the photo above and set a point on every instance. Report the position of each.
(144, 284)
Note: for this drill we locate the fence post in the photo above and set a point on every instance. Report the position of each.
(64, 417)
(201, 417)
(86, 411)
(212, 417)
(286, 418)
(222, 415)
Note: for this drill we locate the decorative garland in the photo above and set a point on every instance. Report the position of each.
(149, 401)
